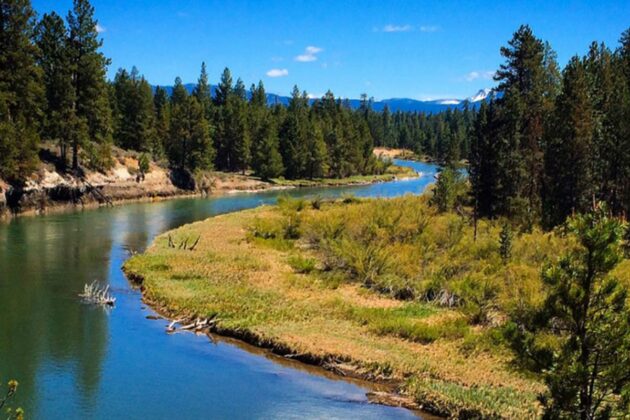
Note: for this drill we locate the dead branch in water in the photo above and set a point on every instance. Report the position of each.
(196, 325)
(92, 293)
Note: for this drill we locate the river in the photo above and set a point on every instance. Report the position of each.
(79, 361)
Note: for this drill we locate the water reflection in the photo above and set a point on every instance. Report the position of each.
(44, 264)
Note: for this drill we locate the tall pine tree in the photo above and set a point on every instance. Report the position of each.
(88, 67)
(21, 92)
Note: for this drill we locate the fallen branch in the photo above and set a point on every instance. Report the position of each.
(92, 293)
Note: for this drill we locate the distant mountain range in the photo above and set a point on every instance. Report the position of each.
(394, 104)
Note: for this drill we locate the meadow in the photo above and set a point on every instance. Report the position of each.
(389, 290)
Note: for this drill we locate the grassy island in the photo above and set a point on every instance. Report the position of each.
(389, 290)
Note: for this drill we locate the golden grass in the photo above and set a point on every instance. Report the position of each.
(251, 284)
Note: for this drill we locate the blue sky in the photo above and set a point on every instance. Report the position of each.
(416, 49)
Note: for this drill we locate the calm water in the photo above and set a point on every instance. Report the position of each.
(78, 361)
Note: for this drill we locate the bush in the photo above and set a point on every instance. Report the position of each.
(450, 190)
(98, 156)
(301, 264)
(316, 202)
(143, 164)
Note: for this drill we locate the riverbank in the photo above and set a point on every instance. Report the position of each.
(243, 280)
(52, 191)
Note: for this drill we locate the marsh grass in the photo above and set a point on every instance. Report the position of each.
(402, 292)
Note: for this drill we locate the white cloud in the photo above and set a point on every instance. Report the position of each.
(429, 28)
(315, 95)
(100, 29)
(397, 28)
(310, 54)
(477, 75)
(278, 73)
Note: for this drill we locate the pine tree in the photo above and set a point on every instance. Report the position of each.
(266, 158)
(21, 90)
(622, 118)
(189, 146)
(162, 108)
(179, 95)
(315, 152)
(222, 139)
(224, 89)
(486, 149)
(449, 190)
(203, 92)
(570, 178)
(135, 115)
(89, 67)
(523, 80)
(293, 136)
(239, 149)
(54, 60)
(587, 369)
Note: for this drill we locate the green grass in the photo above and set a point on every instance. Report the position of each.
(393, 172)
(391, 287)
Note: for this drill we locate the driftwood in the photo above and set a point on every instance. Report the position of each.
(183, 244)
(92, 293)
(196, 325)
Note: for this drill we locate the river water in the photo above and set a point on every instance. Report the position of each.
(79, 361)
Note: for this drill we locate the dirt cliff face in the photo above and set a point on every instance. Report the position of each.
(49, 189)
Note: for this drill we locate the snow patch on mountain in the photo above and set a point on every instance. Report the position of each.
(481, 95)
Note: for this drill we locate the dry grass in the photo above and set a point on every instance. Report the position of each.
(254, 282)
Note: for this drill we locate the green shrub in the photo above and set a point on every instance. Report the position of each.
(98, 156)
(143, 163)
(450, 190)
(316, 202)
(301, 264)
(407, 322)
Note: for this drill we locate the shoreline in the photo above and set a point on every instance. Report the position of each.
(294, 315)
(383, 391)
(170, 192)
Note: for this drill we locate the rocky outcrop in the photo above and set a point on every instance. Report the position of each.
(49, 189)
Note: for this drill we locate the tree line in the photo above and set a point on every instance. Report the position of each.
(553, 142)
(547, 144)
(53, 88)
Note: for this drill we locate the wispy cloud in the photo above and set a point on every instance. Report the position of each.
(397, 28)
(310, 54)
(479, 75)
(100, 29)
(391, 28)
(278, 73)
(429, 28)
